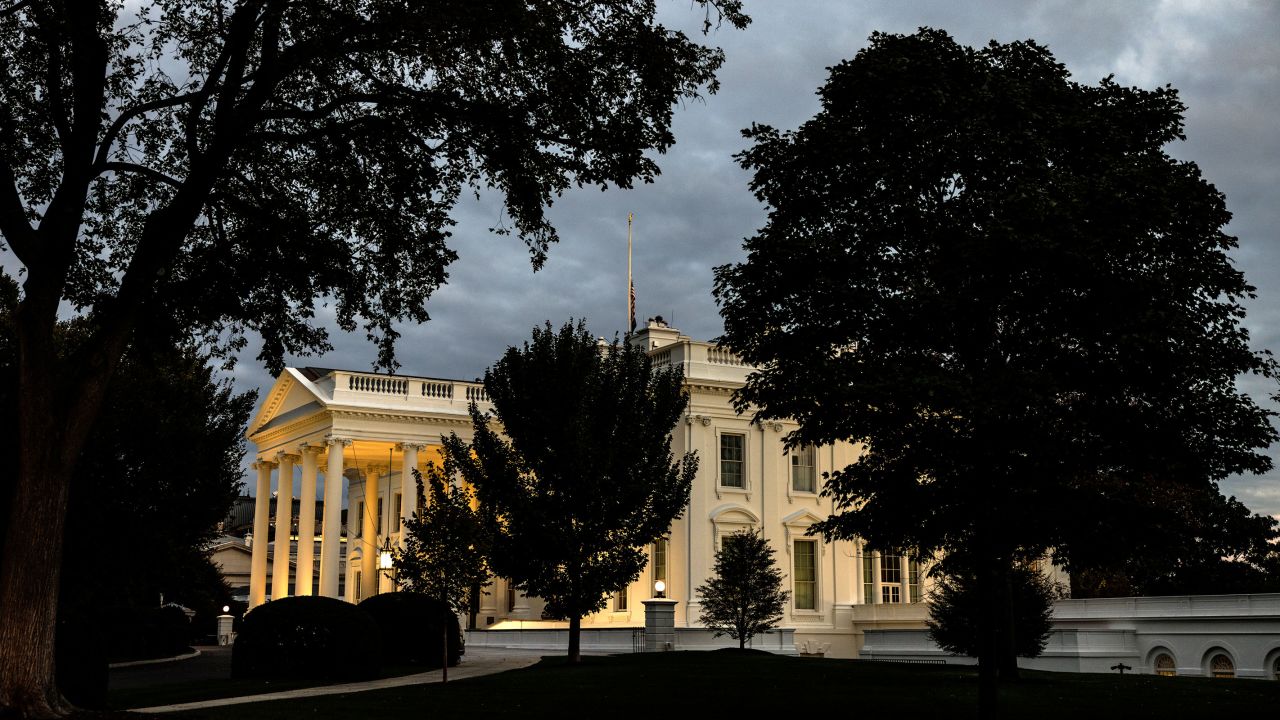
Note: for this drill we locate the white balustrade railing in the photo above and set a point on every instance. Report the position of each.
(406, 391)
(720, 356)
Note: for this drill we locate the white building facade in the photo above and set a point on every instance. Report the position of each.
(354, 436)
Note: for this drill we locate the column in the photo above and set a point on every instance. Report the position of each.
(408, 484)
(261, 528)
(369, 538)
(302, 584)
(331, 537)
(284, 526)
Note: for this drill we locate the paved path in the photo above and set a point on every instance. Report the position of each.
(213, 663)
(477, 661)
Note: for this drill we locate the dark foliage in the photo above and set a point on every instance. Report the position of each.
(744, 597)
(446, 552)
(307, 637)
(412, 626)
(206, 169)
(587, 478)
(998, 281)
(955, 606)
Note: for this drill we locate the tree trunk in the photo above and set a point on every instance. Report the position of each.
(1008, 633)
(575, 640)
(444, 649)
(55, 411)
(988, 623)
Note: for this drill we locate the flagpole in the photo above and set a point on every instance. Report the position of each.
(631, 310)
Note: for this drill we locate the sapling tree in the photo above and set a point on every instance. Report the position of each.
(744, 596)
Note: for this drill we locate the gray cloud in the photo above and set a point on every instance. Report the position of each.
(1223, 57)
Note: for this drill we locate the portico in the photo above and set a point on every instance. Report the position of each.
(355, 437)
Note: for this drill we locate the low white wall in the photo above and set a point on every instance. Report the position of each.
(622, 640)
(1094, 635)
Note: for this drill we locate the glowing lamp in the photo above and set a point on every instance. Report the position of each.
(384, 560)
(659, 589)
(226, 608)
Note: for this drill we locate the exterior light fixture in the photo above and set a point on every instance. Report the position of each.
(384, 560)
(659, 589)
(226, 608)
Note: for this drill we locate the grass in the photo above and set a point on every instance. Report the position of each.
(753, 684)
(194, 690)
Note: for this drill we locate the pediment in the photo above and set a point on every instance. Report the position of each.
(292, 396)
(801, 518)
(734, 514)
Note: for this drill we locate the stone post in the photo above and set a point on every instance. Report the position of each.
(225, 635)
(659, 624)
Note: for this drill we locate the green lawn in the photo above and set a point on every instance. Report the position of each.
(192, 690)
(673, 686)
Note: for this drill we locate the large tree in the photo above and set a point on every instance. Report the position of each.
(220, 165)
(997, 281)
(160, 471)
(584, 478)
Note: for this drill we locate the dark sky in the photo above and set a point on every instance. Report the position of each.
(1223, 57)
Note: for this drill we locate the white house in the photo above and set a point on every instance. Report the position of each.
(360, 434)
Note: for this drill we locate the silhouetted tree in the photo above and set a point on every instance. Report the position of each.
(954, 608)
(744, 597)
(587, 478)
(218, 166)
(999, 283)
(446, 545)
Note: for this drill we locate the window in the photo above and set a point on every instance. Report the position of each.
(395, 519)
(1275, 669)
(660, 560)
(890, 579)
(1222, 667)
(511, 596)
(1165, 666)
(806, 576)
(804, 471)
(913, 580)
(620, 600)
(733, 460)
(379, 516)
(359, 523)
(868, 578)
(357, 586)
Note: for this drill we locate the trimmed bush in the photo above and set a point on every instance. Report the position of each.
(147, 633)
(307, 637)
(412, 630)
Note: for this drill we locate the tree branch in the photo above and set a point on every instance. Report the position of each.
(142, 170)
(109, 139)
(13, 217)
(14, 9)
(53, 79)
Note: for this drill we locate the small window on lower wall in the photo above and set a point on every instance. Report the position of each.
(620, 600)
(1165, 666)
(1222, 667)
(805, 576)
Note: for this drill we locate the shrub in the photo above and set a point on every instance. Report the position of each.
(307, 637)
(411, 628)
(955, 608)
(147, 633)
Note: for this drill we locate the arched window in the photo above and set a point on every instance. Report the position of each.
(1165, 666)
(1275, 668)
(1222, 667)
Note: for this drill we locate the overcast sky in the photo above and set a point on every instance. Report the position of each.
(1224, 58)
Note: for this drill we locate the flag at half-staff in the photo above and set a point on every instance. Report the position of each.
(631, 286)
